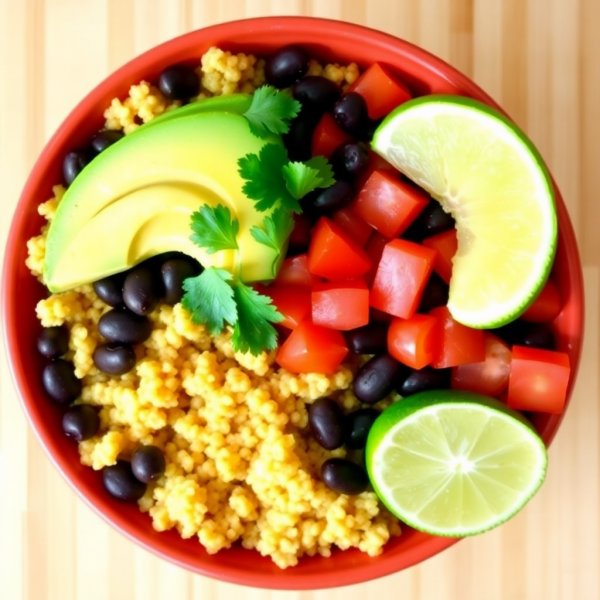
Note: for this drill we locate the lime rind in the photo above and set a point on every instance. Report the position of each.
(413, 411)
(429, 140)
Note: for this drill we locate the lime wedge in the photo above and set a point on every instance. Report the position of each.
(454, 463)
(487, 174)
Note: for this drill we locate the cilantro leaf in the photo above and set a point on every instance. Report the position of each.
(276, 229)
(214, 228)
(304, 177)
(209, 299)
(264, 179)
(270, 111)
(253, 330)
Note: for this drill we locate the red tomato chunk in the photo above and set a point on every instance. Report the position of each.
(459, 344)
(351, 223)
(300, 236)
(312, 349)
(292, 301)
(401, 277)
(343, 305)
(445, 245)
(489, 376)
(414, 341)
(334, 255)
(327, 136)
(374, 250)
(295, 271)
(381, 90)
(546, 306)
(538, 380)
(388, 204)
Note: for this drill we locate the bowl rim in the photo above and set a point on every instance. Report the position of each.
(370, 570)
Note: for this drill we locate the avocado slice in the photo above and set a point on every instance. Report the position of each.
(135, 201)
(233, 103)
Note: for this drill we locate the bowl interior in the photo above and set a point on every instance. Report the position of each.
(340, 42)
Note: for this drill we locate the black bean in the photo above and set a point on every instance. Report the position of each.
(523, 333)
(350, 160)
(73, 164)
(369, 129)
(142, 289)
(121, 325)
(148, 463)
(333, 198)
(432, 220)
(103, 139)
(110, 289)
(316, 94)
(174, 272)
(369, 339)
(344, 477)
(81, 422)
(358, 425)
(53, 341)
(60, 382)
(179, 82)
(298, 140)
(120, 482)
(114, 358)
(350, 113)
(435, 294)
(377, 378)
(326, 420)
(286, 66)
(425, 379)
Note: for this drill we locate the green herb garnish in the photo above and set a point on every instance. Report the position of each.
(304, 177)
(214, 228)
(276, 229)
(270, 111)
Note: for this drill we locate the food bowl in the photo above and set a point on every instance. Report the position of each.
(323, 39)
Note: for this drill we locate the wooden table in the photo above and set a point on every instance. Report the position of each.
(539, 59)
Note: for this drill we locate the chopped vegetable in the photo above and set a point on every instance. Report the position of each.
(445, 244)
(312, 349)
(334, 255)
(291, 301)
(538, 380)
(546, 306)
(414, 341)
(270, 111)
(401, 277)
(459, 344)
(389, 204)
(214, 228)
(295, 271)
(327, 136)
(342, 305)
(351, 223)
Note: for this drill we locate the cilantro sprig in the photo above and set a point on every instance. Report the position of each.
(214, 228)
(270, 111)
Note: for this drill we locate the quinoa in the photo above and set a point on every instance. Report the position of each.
(241, 465)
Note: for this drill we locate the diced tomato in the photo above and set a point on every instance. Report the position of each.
(488, 377)
(300, 236)
(381, 91)
(388, 204)
(292, 301)
(312, 349)
(546, 306)
(333, 253)
(376, 163)
(401, 277)
(445, 245)
(350, 222)
(460, 345)
(380, 316)
(295, 271)
(374, 250)
(327, 136)
(538, 380)
(343, 305)
(414, 341)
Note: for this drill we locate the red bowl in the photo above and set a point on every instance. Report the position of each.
(324, 39)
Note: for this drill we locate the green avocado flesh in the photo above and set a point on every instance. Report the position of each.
(135, 200)
(233, 103)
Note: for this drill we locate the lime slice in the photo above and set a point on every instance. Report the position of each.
(454, 463)
(487, 174)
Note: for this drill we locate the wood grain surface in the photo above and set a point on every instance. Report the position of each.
(539, 59)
